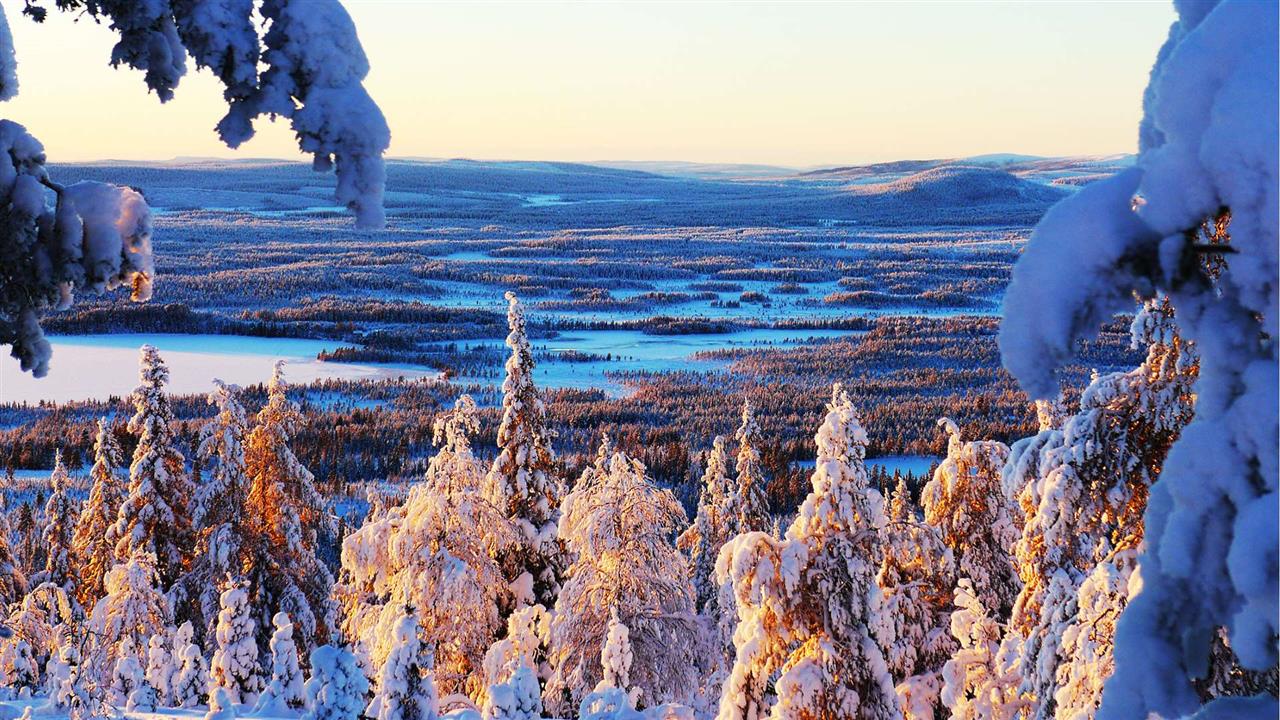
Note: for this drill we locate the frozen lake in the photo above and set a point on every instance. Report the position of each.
(636, 351)
(99, 366)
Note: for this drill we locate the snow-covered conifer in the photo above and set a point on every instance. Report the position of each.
(965, 501)
(191, 681)
(917, 577)
(161, 668)
(974, 685)
(154, 517)
(748, 509)
(285, 513)
(621, 527)
(522, 480)
(235, 659)
(808, 605)
(528, 633)
(221, 705)
(284, 691)
(224, 543)
(93, 541)
(128, 673)
(60, 514)
(437, 553)
(18, 668)
(337, 686)
(616, 658)
(13, 584)
(1203, 188)
(517, 698)
(710, 529)
(1083, 495)
(130, 613)
(406, 683)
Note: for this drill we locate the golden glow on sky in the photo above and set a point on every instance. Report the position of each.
(790, 84)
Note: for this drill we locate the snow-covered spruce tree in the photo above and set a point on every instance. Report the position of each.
(748, 509)
(154, 517)
(522, 481)
(128, 615)
(702, 540)
(810, 617)
(306, 65)
(612, 696)
(917, 577)
(18, 669)
(1207, 149)
(191, 680)
(13, 584)
(71, 692)
(437, 553)
(161, 667)
(406, 686)
(284, 691)
(285, 513)
(974, 685)
(337, 686)
(621, 527)
(128, 674)
(517, 698)
(218, 513)
(965, 501)
(93, 542)
(235, 658)
(1083, 505)
(507, 660)
(221, 705)
(60, 514)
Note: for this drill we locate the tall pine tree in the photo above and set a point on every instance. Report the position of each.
(155, 516)
(522, 481)
(93, 541)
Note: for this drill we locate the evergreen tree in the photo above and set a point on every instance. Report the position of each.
(161, 668)
(406, 686)
(1083, 496)
(515, 661)
(337, 686)
(974, 686)
(709, 531)
(221, 705)
(965, 501)
(749, 506)
(13, 584)
(522, 481)
(235, 661)
(60, 512)
(191, 681)
(621, 528)
(154, 517)
(223, 544)
(808, 605)
(284, 691)
(917, 577)
(94, 539)
(285, 513)
(438, 554)
(130, 613)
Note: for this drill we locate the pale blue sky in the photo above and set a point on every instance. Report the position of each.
(794, 84)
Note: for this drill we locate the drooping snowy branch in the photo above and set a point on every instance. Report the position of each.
(1209, 149)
